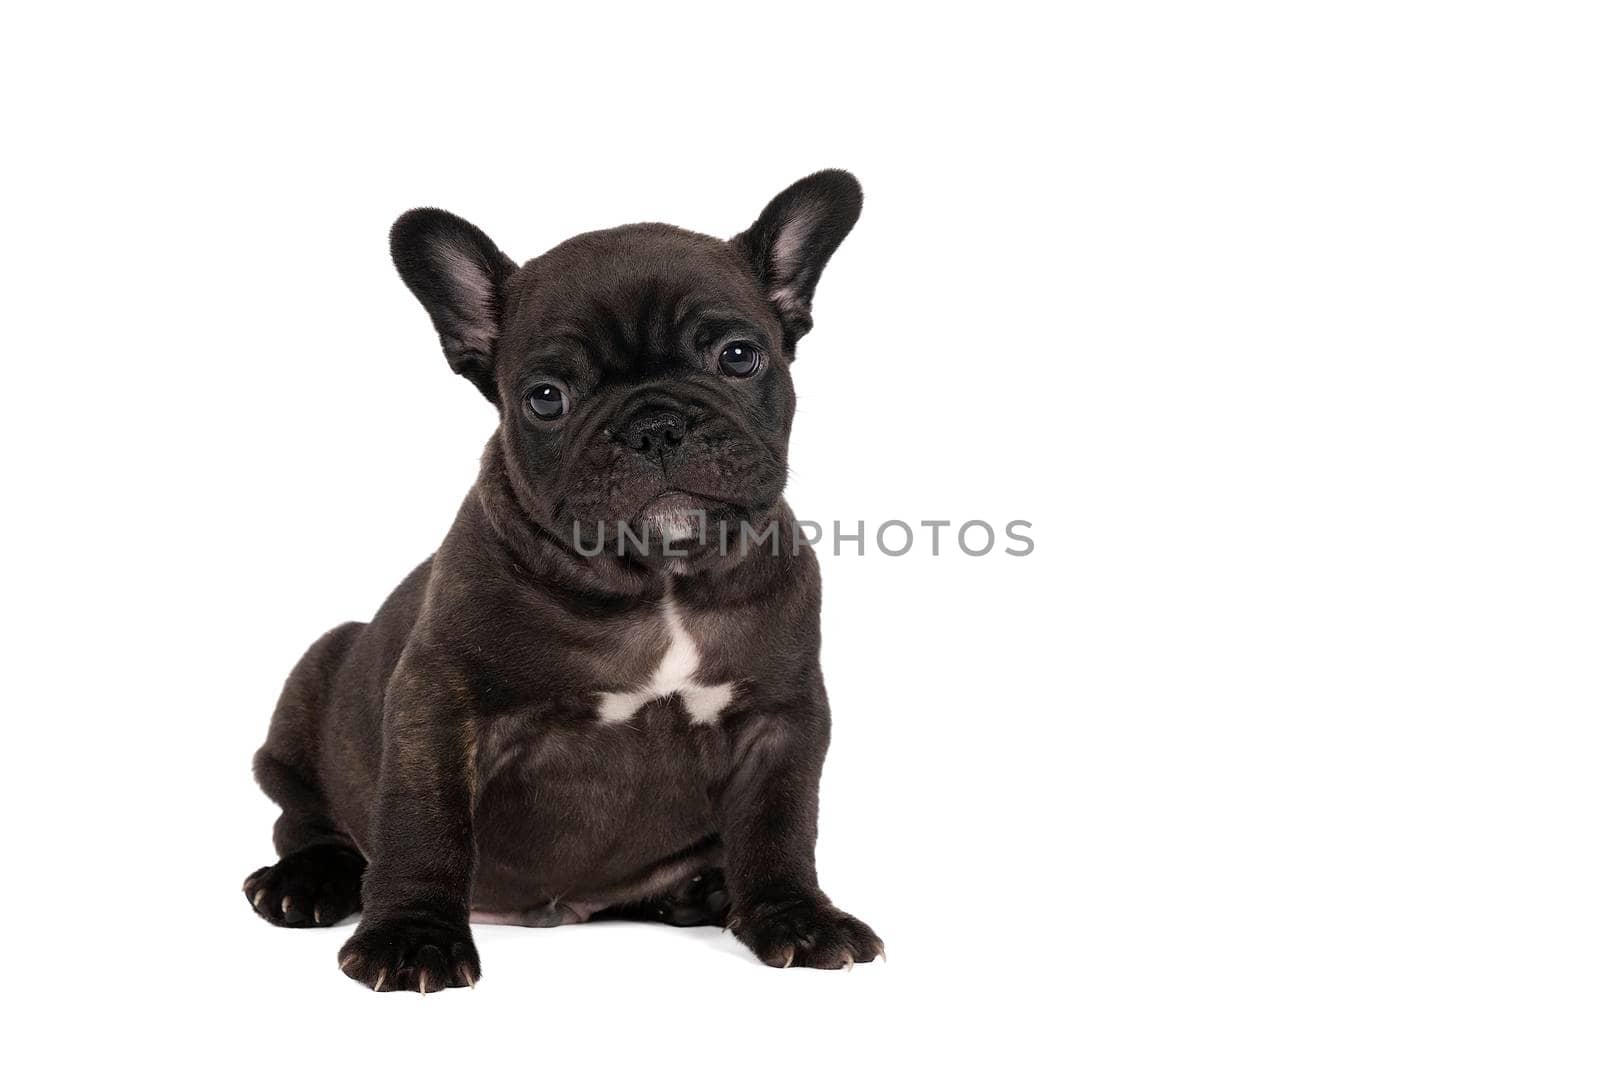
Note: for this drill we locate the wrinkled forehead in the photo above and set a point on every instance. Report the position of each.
(637, 291)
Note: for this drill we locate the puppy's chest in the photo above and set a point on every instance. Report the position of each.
(670, 653)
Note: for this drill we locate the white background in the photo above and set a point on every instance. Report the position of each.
(1278, 322)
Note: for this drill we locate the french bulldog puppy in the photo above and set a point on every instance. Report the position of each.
(583, 704)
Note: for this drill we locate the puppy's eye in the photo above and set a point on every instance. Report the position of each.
(546, 401)
(740, 359)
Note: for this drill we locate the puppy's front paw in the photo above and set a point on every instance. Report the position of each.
(806, 933)
(421, 955)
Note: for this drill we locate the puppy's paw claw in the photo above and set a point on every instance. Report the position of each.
(423, 956)
(807, 934)
(315, 886)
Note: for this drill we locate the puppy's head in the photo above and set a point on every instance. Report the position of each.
(641, 373)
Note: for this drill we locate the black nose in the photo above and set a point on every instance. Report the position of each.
(655, 431)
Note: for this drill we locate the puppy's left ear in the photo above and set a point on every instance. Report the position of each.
(455, 271)
(793, 239)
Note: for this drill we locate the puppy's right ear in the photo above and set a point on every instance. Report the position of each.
(456, 272)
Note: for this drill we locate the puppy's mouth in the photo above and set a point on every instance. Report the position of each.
(674, 514)
(677, 515)
(681, 516)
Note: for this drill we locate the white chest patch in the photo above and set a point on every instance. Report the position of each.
(674, 674)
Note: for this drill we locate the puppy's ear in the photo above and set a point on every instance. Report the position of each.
(792, 240)
(456, 272)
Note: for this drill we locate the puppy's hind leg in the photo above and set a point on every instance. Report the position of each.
(315, 886)
(317, 880)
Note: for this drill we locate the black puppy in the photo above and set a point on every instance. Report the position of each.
(601, 695)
